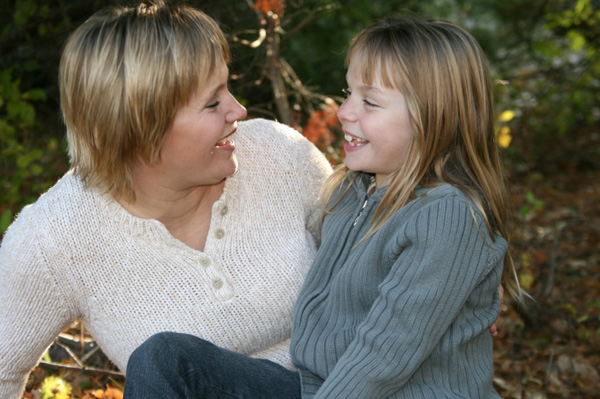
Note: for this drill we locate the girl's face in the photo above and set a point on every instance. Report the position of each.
(199, 148)
(377, 126)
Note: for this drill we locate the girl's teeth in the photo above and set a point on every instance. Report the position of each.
(354, 141)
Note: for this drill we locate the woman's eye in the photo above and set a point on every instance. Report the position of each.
(213, 105)
(369, 103)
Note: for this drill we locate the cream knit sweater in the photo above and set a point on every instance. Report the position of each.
(78, 253)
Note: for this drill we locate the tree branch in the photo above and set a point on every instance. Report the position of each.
(83, 369)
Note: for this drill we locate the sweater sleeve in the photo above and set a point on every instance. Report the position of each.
(314, 171)
(278, 353)
(33, 310)
(441, 257)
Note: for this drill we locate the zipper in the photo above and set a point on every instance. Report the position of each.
(370, 190)
(362, 208)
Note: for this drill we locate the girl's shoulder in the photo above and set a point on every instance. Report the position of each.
(443, 201)
(430, 196)
(450, 204)
(439, 192)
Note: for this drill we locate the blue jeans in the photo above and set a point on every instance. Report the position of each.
(172, 365)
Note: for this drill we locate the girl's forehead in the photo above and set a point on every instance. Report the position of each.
(374, 73)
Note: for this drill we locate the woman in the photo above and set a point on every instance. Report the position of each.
(174, 217)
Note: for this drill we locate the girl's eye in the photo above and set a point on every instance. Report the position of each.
(213, 105)
(346, 92)
(368, 103)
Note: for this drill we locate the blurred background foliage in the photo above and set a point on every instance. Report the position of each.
(288, 64)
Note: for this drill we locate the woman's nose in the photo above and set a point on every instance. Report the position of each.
(238, 111)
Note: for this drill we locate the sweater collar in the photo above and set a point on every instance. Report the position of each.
(362, 184)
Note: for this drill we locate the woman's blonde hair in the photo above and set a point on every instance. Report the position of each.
(443, 74)
(124, 74)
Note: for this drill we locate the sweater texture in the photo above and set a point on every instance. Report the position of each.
(76, 253)
(404, 314)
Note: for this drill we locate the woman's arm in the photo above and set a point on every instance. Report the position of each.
(33, 310)
(313, 172)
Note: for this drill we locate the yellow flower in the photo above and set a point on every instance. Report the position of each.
(55, 388)
(504, 137)
(507, 115)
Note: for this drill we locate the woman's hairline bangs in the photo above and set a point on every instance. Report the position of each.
(210, 51)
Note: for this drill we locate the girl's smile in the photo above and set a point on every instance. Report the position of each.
(353, 143)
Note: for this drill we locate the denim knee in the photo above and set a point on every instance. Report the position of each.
(152, 351)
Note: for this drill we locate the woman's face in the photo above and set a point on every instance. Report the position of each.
(377, 126)
(199, 148)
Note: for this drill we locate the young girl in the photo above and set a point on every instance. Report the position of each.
(404, 287)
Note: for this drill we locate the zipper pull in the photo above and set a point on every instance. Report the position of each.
(362, 208)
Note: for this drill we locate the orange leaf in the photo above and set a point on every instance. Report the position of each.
(270, 6)
(113, 393)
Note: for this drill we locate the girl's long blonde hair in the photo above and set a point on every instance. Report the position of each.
(442, 72)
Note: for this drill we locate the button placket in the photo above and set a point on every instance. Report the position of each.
(217, 280)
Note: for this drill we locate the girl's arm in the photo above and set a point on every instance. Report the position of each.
(443, 259)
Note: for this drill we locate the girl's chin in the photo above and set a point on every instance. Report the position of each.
(353, 164)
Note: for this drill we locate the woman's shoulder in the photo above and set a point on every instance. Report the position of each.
(260, 134)
(260, 128)
(69, 186)
(67, 194)
(262, 141)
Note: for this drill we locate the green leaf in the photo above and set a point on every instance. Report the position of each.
(5, 220)
(36, 169)
(23, 161)
(577, 40)
(35, 94)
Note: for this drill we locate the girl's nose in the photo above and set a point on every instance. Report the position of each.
(345, 112)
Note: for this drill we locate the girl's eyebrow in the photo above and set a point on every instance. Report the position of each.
(366, 87)
(369, 88)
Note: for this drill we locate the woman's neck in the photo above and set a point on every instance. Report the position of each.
(185, 213)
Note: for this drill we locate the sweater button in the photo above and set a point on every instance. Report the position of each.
(220, 233)
(217, 283)
(224, 210)
(205, 262)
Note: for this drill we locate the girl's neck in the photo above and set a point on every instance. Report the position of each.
(382, 180)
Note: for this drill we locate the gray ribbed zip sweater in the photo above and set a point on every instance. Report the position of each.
(405, 314)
